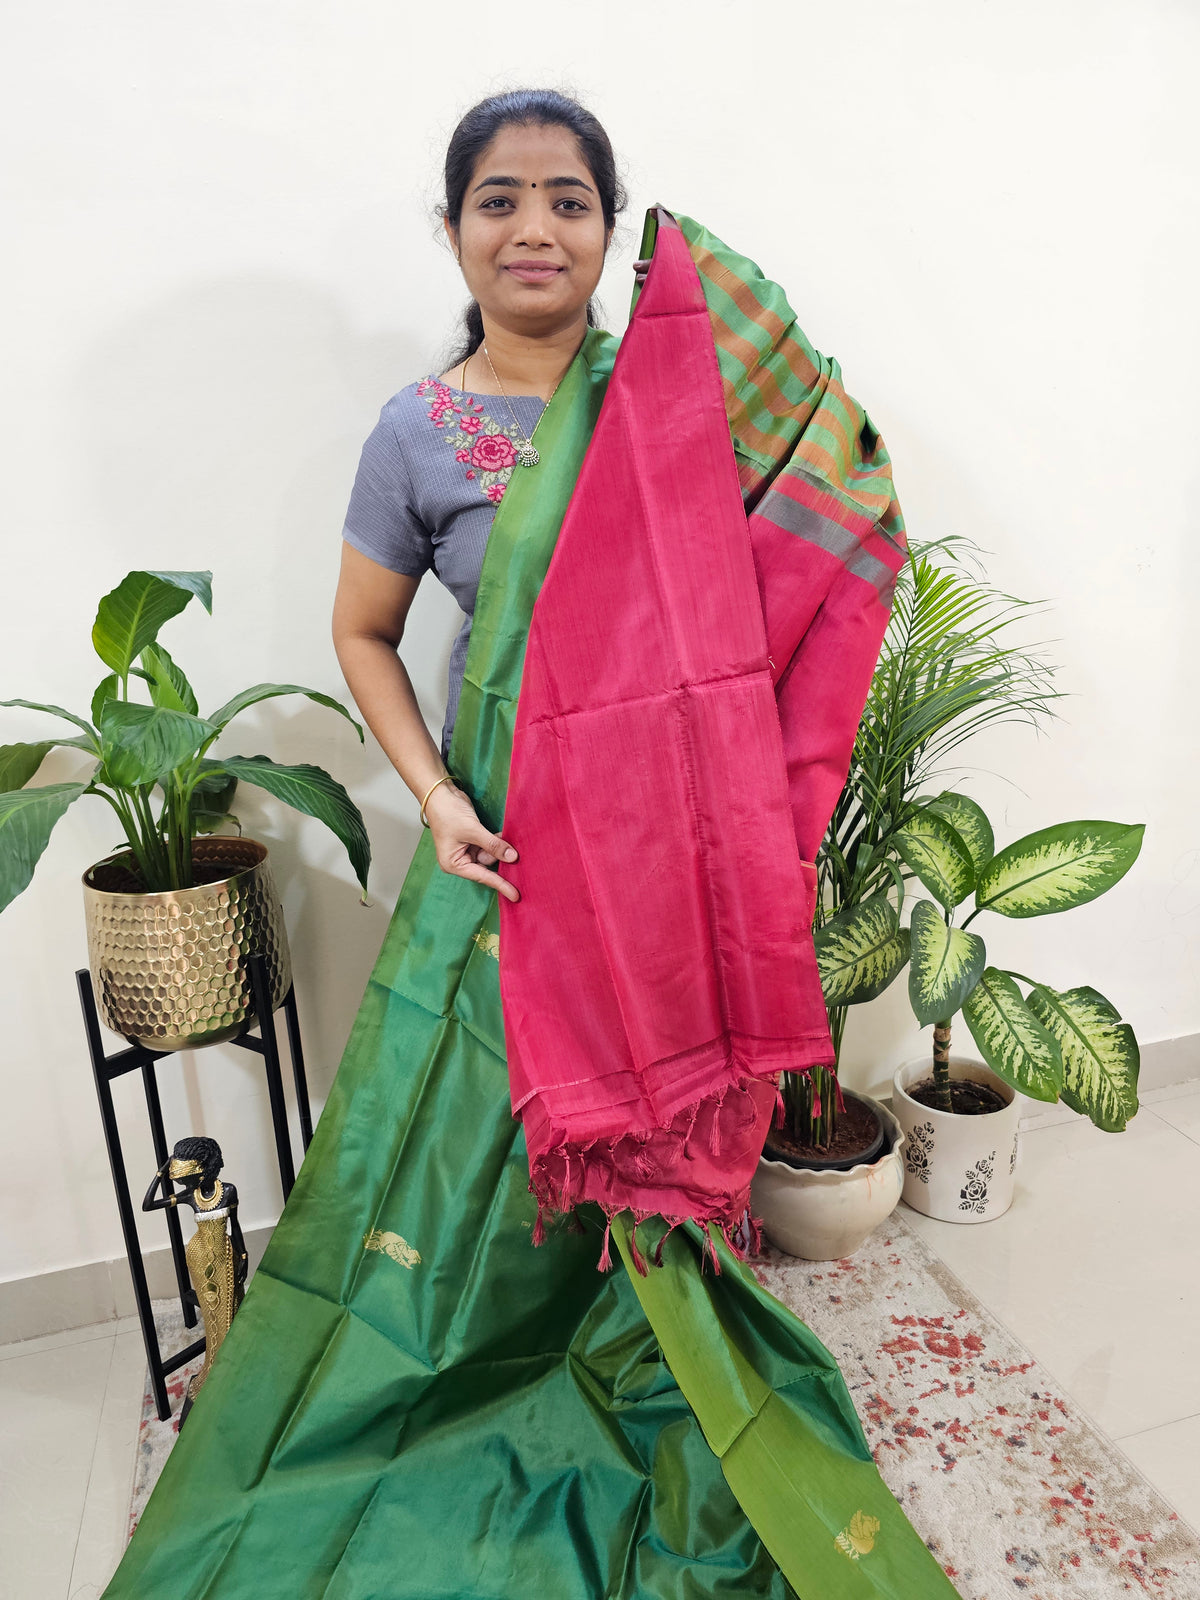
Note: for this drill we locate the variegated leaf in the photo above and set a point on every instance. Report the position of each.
(945, 967)
(859, 951)
(933, 848)
(1100, 1053)
(1011, 1039)
(969, 821)
(1059, 867)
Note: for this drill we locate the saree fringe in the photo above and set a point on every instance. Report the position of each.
(567, 1174)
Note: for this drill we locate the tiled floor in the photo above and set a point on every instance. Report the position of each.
(1094, 1268)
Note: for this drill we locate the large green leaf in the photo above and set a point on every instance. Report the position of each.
(946, 964)
(129, 616)
(267, 691)
(27, 818)
(212, 797)
(1100, 1053)
(19, 762)
(310, 790)
(57, 711)
(1011, 1039)
(169, 687)
(141, 744)
(969, 821)
(860, 951)
(932, 847)
(108, 688)
(1059, 867)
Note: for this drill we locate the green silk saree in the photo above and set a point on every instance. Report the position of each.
(412, 1401)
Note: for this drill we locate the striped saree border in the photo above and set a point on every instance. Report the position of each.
(789, 412)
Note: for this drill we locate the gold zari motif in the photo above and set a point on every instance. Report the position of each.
(859, 1538)
(392, 1245)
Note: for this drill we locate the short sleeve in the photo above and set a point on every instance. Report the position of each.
(381, 520)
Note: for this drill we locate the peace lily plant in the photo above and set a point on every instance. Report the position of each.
(163, 745)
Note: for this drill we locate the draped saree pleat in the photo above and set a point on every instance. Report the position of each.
(412, 1401)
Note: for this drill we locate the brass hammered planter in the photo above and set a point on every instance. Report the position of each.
(169, 968)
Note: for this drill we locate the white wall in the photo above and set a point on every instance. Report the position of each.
(221, 261)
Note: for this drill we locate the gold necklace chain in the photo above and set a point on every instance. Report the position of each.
(527, 456)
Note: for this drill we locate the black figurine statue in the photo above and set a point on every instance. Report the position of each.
(216, 1255)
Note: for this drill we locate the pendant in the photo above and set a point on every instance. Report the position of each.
(527, 455)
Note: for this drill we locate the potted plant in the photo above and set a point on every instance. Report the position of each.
(172, 912)
(833, 1170)
(960, 1116)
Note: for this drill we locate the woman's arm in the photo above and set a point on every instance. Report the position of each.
(370, 609)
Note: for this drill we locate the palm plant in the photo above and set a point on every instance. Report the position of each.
(943, 674)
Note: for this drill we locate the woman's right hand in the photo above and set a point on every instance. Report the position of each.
(464, 846)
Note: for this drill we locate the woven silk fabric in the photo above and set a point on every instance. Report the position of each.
(658, 972)
(411, 1402)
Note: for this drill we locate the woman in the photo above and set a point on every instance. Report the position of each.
(412, 1401)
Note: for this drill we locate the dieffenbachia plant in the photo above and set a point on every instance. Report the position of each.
(1048, 1043)
(163, 745)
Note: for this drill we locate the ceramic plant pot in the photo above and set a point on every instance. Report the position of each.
(169, 968)
(825, 1215)
(957, 1168)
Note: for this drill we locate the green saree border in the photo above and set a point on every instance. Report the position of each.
(520, 545)
(794, 1454)
(442, 912)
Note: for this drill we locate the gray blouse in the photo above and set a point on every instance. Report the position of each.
(431, 474)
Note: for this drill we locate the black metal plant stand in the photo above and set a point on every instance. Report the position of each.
(106, 1068)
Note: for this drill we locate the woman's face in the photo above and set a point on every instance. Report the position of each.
(531, 238)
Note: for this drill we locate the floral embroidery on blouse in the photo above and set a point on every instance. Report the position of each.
(483, 445)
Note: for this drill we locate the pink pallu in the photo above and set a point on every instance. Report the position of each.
(692, 686)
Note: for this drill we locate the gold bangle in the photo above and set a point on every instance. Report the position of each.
(446, 777)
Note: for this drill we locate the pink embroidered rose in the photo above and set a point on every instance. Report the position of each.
(493, 452)
(495, 492)
(471, 424)
(462, 455)
(470, 474)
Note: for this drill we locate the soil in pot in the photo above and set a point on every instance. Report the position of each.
(119, 874)
(859, 1136)
(967, 1099)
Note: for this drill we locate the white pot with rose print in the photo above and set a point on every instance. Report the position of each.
(957, 1168)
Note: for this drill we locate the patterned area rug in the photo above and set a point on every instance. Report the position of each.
(1016, 1492)
(1012, 1487)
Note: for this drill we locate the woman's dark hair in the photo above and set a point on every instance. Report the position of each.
(545, 108)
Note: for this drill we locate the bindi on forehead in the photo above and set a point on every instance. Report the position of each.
(507, 181)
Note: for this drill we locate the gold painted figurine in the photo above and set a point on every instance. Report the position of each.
(216, 1255)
